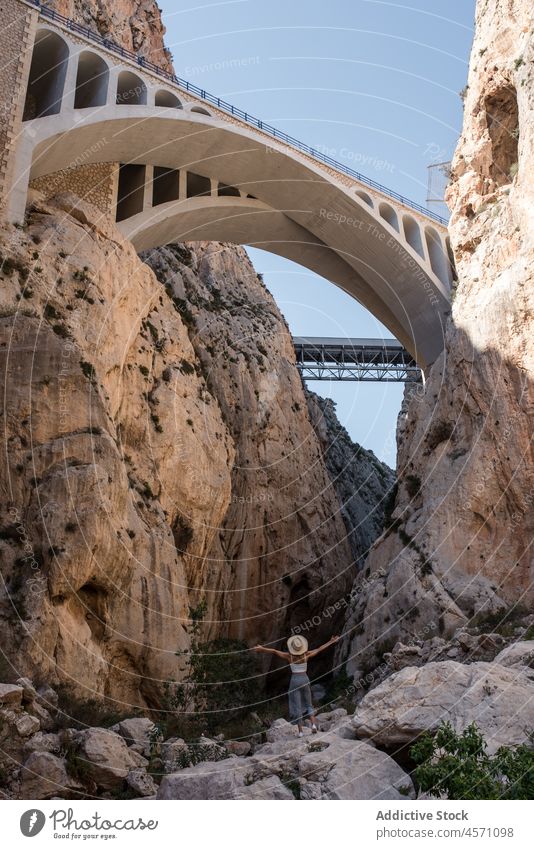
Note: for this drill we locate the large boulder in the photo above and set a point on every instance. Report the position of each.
(107, 758)
(10, 695)
(517, 654)
(326, 766)
(281, 729)
(228, 779)
(346, 769)
(45, 776)
(141, 782)
(136, 732)
(417, 699)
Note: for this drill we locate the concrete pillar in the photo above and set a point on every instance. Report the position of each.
(182, 187)
(149, 187)
(111, 98)
(214, 187)
(69, 89)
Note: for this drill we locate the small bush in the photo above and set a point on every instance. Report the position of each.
(50, 312)
(413, 485)
(182, 533)
(438, 433)
(457, 766)
(88, 370)
(73, 712)
(61, 330)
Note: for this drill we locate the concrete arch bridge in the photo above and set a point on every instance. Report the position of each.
(184, 165)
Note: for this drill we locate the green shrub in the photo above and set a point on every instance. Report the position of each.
(219, 683)
(88, 370)
(413, 485)
(457, 766)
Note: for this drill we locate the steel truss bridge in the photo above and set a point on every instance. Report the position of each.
(326, 358)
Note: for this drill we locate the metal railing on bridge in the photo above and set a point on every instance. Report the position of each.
(383, 360)
(108, 44)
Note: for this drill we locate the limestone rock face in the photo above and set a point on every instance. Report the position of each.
(500, 700)
(461, 542)
(133, 24)
(160, 454)
(361, 480)
(281, 555)
(112, 439)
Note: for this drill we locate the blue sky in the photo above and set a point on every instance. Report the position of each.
(375, 85)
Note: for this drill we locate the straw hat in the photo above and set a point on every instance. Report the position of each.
(297, 645)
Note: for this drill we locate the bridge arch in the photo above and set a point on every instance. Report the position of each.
(216, 173)
(437, 256)
(365, 197)
(199, 110)
(167, 99)
(412, 233)
(388, 214)
(92, 80)
(48, 71)
(131, 89)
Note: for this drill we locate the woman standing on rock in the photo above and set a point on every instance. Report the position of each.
(299, 693)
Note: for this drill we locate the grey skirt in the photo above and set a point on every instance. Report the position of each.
(300, 701)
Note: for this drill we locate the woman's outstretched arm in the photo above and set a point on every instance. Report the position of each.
(327, 645)
(265, 650)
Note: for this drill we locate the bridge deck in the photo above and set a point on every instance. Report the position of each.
(230, 109)
(330, 358)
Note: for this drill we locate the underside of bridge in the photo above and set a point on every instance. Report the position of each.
(188, 173)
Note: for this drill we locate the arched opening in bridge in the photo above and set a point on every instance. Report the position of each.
(225, 191)
(365, 197)
(131, 90)
(412, 234)
(502, 120)
(166, 185)
(131, 191)
(388, 214)
(92, 80)
(438, 260)
(200, 110)
(197, 186)
(167, 99)
(47, 76)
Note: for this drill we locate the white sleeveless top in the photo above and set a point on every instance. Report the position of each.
(299, 667)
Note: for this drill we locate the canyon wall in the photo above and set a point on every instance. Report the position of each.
(159, 454)
(460, 543)
(134, 24)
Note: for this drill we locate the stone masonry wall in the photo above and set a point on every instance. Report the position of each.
(94, 183)
(16, 40)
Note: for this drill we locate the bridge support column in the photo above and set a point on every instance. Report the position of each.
(214, 187)
(182, 187)
(149, 187)
(69, 89)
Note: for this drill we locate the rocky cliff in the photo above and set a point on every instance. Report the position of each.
(281, 554)
(159, 454)
(461, 540)
(134, 24)
(363, 483)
